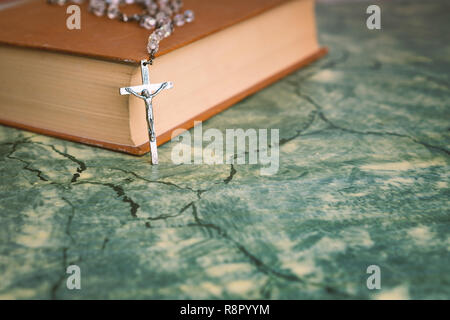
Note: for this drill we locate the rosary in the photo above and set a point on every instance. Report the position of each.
(160, 16)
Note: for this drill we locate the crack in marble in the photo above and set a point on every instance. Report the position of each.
(232, 173)
(312, 117)
(134, 206)
(105, 242)
(332, 125)
(198, 192)
(60, 280)
(167, 216)
(69, 219)
(27, 164)
(81, 165)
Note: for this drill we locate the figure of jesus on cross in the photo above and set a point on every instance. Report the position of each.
(146, 92)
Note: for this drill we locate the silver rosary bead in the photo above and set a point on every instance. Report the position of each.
(135, 17)
(152, 7)
(152, 48)
(148, 22)
(189, 16)
(124, 17)
(178, 20)
(97, 7)
(159, 33)
(167, 29)
(176, 5)
(153, 43)
(161, 17)
(113, 12)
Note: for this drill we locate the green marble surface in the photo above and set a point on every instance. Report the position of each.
(363, 179)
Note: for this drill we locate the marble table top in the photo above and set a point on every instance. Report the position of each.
(363, 180)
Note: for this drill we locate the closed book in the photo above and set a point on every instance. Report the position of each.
(65, 82)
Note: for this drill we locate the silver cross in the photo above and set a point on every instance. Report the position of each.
(147, 91)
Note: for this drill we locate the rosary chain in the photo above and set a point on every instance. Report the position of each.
(160, 16)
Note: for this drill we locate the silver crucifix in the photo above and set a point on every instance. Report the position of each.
(146, 92)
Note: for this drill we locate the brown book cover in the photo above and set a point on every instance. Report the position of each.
(37, 25)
